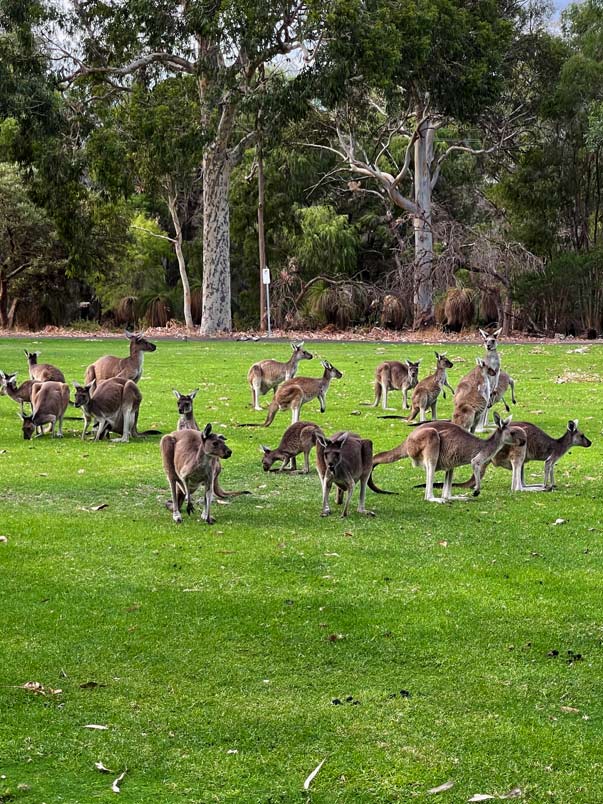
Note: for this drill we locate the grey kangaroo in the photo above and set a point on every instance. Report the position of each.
(269, 374)
(128, 368)
(18, 393)
(185, 409)
(391, 375)
(297, 438)
(296, 392)
(49, 401)
(42, 372)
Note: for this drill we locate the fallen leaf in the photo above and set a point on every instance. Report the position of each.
(96, 727)
(90, 685)
(233, 751)
(99, 507)
(311, 777)
(100, 767)
(481, 797)
(39, 689)
(517, 792)
(81, 471)
(2, 452)
(570, 710)
(117, 782)
(3, 539)
(560, 522)
(443, 543)
(355, 413)
(441, 788)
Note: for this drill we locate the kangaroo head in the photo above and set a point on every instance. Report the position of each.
(27, 427)
(510, 435)
(142, 344)
(83, 393)
(413, 370)
(443, 361)
(578, 437)
(490, 340)
(299, 350)
(214, 444)
(32, 357)
(5, 381)
(330, 371)
(269, 457)
(185, 401)
(332, 449)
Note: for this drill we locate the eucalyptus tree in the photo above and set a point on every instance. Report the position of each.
(223, 46)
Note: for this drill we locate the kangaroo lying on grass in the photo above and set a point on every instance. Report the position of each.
(426, 393)
(128, 368)
(190, 459)
(49, 401)
(445, 446)
(472, 396)
(42, 372)
(539, 447)
(267, 374)
(297, 438)
(392, 375)
(345, 459)
(19, 394)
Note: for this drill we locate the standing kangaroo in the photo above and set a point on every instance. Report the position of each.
(539, 446)
(114, 404)
(296, 392)
(49, 401)
(445, 446)
(128, 368)
(392, 375)
(345, 459)
(267, 374)
(426, 393)
(18, 393)
(472, 396)
(185, 409)
(298, 437)
(42, 372)
(492, 359)
(505, 381)
(190, 458)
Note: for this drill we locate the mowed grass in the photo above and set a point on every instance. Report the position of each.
(218, 650)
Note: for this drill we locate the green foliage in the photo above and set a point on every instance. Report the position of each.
(327, 243)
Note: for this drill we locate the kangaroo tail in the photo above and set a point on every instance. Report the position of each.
(466, 484)
(224, 495)
(376, 489)
(149, 432)
(393, 416)
(391, 456)
(272, 411)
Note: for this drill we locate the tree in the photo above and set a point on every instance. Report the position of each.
(223, 46)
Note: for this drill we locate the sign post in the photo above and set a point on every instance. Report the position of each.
(266, 283)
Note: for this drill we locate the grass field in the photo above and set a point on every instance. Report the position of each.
(218, 651)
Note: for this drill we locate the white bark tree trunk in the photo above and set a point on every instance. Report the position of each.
(423, 270)
(216, 241)
(186, 288)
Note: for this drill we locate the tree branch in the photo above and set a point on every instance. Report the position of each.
(18, 271)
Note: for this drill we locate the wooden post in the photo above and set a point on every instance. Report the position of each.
(261, 235)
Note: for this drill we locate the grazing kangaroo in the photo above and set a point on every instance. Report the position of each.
(392, 375)
(190, 458)
(445, 446)
(185, 409)
(297, 438)
(19, 394)
(539, 447)
(472, 396)
(296, 392)
(49, 401)
(505, 381)
(426, 393)
(269, 374)
(128, 368)
(345, 459)
(42, 372)
(114, 404)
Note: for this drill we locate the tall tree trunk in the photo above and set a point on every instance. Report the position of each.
(261, 234)
(216, 241)
(3, 299)
(186, 288)
(507, 325)
(423, 269)
(12, 313)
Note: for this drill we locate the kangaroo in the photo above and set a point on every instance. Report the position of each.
(345, 459)
(49, 401)
(298, 437)
(505, 381)
(114, 404)
(472, 396)
(185, 409)
(539, 447)
(296, 392)
(190, 458)
(269, 374)
(492, 359)
(19, 394)
(41, 372)
(392, 375)
(130, 368)
(426, 393)
(445, 446)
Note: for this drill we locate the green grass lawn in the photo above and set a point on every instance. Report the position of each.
(218, 650)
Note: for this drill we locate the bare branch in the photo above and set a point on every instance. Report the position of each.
(152, 234)
(18, 271)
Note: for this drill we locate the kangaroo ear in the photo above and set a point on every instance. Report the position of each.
(194, 393)
(572, 425)
(129, 334)
(497, 419)
(508, 420)
(497, 333)
(176, 393)
(300, 345)
(90, 387)
(264, 449)
(408, 363)
(343, 438)
(437, 356)
(207, 432)
(483, 334)
(320, 439)
(76, 385)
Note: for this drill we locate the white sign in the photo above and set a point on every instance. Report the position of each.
(266, 276)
